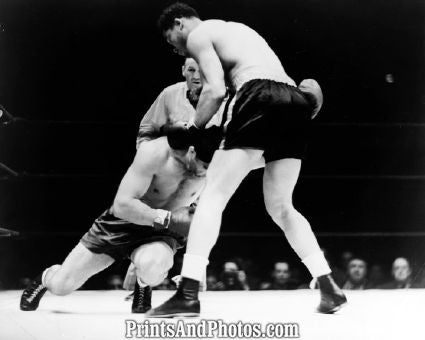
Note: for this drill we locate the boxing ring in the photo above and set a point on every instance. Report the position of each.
(91, 315)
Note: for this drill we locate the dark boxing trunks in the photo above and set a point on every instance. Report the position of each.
(270, 116)
(118, 238)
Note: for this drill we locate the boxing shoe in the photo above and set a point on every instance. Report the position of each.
(141, 299)
(184, 303)
(32, 295)
(331, 296)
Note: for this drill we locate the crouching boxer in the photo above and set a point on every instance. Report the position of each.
(148, 221)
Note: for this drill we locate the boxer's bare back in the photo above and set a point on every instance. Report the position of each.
(243, 53)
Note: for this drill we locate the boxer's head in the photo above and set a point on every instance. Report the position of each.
(190, 71)
(175, 24)
(189, 160)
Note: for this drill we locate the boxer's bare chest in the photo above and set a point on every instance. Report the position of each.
(175, 185)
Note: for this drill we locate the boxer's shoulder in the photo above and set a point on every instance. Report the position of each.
(205, 30)
(154, 152)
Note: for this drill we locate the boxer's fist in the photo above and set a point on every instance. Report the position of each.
(180, 136)
(180, 220)
(208, 142)
(313, 92)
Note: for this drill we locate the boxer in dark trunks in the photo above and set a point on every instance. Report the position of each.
(148, 221)
(268, 117)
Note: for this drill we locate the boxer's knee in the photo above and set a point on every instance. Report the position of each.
(280, 211)
(61, 284)
(49, 273)
(153, 263)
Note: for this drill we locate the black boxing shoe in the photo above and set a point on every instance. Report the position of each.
(142, 298)
(332, 298)
(32, 295)
(184, 303)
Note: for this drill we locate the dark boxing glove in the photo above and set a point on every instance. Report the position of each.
(180, 136)
(180, 220)
(313, 92)
(208, 142)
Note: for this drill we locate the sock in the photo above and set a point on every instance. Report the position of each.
(43, 276)
(317, 264)
(141, 283)
(194, 266)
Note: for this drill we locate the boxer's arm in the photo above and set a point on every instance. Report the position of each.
(214, 89)
(150, 157)
(153, 120)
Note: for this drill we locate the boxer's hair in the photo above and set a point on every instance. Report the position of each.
(175, 11)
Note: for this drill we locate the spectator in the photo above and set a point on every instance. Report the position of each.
(281, 278)
(212, 282)
(232, 278)
(376, 275)
(402, 275)
(345, 259)
(114, 282)
(340, 267)
(356, 275)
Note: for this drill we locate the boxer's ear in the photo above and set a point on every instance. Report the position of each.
(179, 22)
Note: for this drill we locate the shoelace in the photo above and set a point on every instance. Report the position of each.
(141, 295)
(35, 293)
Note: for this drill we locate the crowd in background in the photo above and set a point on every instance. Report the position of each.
(351, 272)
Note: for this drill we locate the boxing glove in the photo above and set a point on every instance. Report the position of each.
(180, 220)
(180, 136)
(208, 142)
(313, 93)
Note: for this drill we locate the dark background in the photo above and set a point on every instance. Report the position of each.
(81, 74)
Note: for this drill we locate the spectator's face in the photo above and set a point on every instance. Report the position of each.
(376, 273)
(115, 282)
(230, 267)
(192, 75)
(401, 269)
(230, 270)
(357, 270)
(211, 280)
(346, 256)
(281, 272)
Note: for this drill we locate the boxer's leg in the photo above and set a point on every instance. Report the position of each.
(77, 268)
(152, 261)
(227, 170)
(279, 181)
(280, 178)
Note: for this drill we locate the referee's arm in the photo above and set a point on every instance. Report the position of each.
(152, 120)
